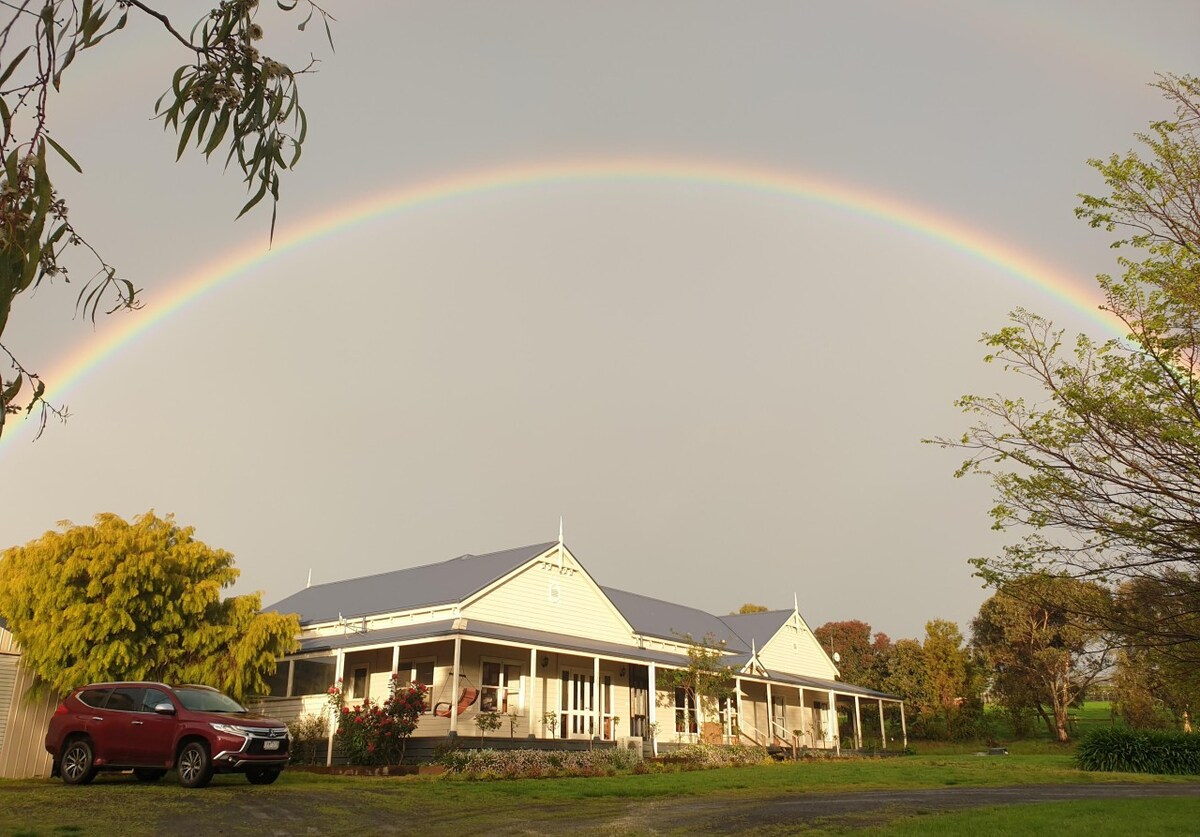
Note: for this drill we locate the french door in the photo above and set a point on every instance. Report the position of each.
(577, 710)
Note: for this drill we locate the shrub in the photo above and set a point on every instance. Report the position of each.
(310, 737)
(1140, 751)
(377, 733)
(719, 755)
(533, 764)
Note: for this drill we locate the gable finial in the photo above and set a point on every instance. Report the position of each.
(796, 602)
(560, 542)
(309, 583)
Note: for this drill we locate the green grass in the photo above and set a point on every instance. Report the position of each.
(1116, 818)
(116, 804)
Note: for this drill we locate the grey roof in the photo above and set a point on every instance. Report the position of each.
(838, 686)
(757, 627)
(446, 582)
(654, 617)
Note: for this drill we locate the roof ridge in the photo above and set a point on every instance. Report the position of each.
(546, 544)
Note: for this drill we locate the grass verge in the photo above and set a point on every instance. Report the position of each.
(301, 802)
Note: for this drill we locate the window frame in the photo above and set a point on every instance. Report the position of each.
(503, 689)
(413, 663)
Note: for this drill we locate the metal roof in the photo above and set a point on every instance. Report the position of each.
(757, 627)
(446, 582)
(654, 617)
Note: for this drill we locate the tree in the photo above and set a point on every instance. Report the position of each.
(903, 669)
(1038, 651)
(861, 656)
(1151, 676)
(137, 601)
(752, 608)
(1101, 471)
(228, 96)
(706, 681)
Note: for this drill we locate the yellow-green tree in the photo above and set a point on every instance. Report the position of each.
(137, 600)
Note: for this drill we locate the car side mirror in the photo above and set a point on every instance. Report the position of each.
(164, 708)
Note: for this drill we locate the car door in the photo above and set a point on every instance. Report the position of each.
(154, 743)
(123, 725)
(91, 718)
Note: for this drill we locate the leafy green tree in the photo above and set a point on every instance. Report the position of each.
(903, 667)
(706, 680)
(228, 96)
(1099, 466)
(1152, 681)
(948, 699)
(1039, 652)
(137, 601)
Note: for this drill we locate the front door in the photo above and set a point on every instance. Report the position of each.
(779, 718)
(576, 706)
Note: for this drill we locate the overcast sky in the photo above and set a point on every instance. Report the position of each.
(722, 391)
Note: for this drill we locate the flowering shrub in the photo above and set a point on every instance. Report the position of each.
(719, 755)
(534, 764)
(377, 733)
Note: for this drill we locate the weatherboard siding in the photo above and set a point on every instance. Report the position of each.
(545, 597)
(796, 651)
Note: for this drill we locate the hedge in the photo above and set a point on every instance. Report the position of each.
(1140, 751)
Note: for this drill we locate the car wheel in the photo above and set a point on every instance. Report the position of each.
(149, 774)
(262, 775)
(78, 765)
(194, 765)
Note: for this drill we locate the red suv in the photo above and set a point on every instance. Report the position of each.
(151, 728)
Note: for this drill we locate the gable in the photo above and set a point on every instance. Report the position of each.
(794, 650)
(552, 592)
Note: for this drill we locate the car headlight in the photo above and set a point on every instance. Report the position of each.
(231, 729)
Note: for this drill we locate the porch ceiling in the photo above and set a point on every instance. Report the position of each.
(474, 629)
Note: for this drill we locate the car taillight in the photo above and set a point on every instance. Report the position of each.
(62, 709)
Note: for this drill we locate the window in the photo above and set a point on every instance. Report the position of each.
(685, 711)
(418, 671)
(152, 698)
(358, 683)
(500, 687)
(94, 697)
(277, 683)
(314, 676)
(125, 698)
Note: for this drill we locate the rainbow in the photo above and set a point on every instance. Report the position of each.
(797, 186)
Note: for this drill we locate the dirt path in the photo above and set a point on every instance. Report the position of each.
(864, 808)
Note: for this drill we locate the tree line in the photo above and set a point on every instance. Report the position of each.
(1028, 661)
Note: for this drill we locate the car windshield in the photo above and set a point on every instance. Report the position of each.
(207, 700)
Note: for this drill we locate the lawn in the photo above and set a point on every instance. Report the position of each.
(302, 803)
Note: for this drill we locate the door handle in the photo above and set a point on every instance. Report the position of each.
(97, 718)
(137, 723)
